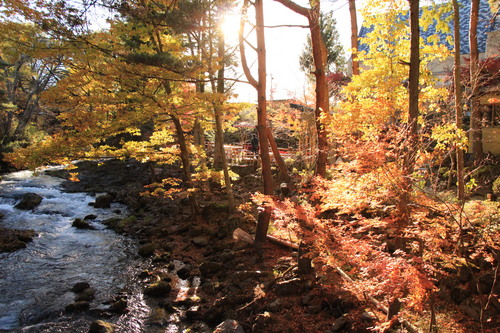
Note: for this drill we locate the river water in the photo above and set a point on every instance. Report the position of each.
(36, 282)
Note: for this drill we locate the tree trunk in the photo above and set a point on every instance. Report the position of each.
(265, 215)
(354, 37)
(277, 156)
(219, 134)
(29, 111)
(320, 57)
(260, 85)
(322, 102)
(458, 102)
(475, 118)
(412, 139)
(186, 165)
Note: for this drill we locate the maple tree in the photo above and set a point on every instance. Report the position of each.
(151, 86)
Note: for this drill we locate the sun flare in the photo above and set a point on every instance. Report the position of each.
(230, 26)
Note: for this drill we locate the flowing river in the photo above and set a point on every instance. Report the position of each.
(36, 282)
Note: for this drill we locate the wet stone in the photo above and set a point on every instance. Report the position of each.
(201, 241)
(158, 289)
(103, 201)
(209, 268)
(29, 201)
(119, 306)
(147, 250)
(101, 326)
(86, 295)
(79, 306)
(80, 286)
(82, 224)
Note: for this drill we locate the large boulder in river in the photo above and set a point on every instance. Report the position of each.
(82, 224)
(103, 201)
(14, 239)
(29, 201)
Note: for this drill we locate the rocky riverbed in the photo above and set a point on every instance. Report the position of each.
(199, 277)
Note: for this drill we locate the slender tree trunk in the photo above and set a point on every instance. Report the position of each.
(475, 118)
(412, 138)
(322, 101)
(186, 164)
(354, 37)
(264, 216)
(260, 85)
(277, 156)
(219, 134)
(458, 102)
(322, 95)
(185, 159)
(414, 67)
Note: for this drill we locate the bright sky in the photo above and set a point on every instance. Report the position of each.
(284, 46)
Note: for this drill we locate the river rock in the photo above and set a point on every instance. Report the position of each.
(103, 201)
(158, 289)
(86, 295)
(147, 250)
(229, 326)
(209, 268)
(82, 224)
(29, 201)
(101, 326)
(15, 239)
(79, 287)
(119, 306)
(79, 306)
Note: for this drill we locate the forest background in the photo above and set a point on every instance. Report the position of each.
(394, 212)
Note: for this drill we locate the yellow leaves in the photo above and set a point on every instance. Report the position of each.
(73, 176)
(449, 136)
(168, 188)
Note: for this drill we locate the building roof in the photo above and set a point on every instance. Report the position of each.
(487, 22)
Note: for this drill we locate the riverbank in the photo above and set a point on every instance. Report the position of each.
(224, 281)
(199, 275)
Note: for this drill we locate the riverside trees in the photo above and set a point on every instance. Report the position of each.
(145, 86)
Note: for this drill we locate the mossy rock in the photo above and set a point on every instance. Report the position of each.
(101, 326)
(112, 222)
(158, 289)
(82, 224)
(14, 239)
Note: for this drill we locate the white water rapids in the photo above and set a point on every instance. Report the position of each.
(35, 282)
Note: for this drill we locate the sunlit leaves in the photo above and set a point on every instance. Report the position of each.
(448, 136)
